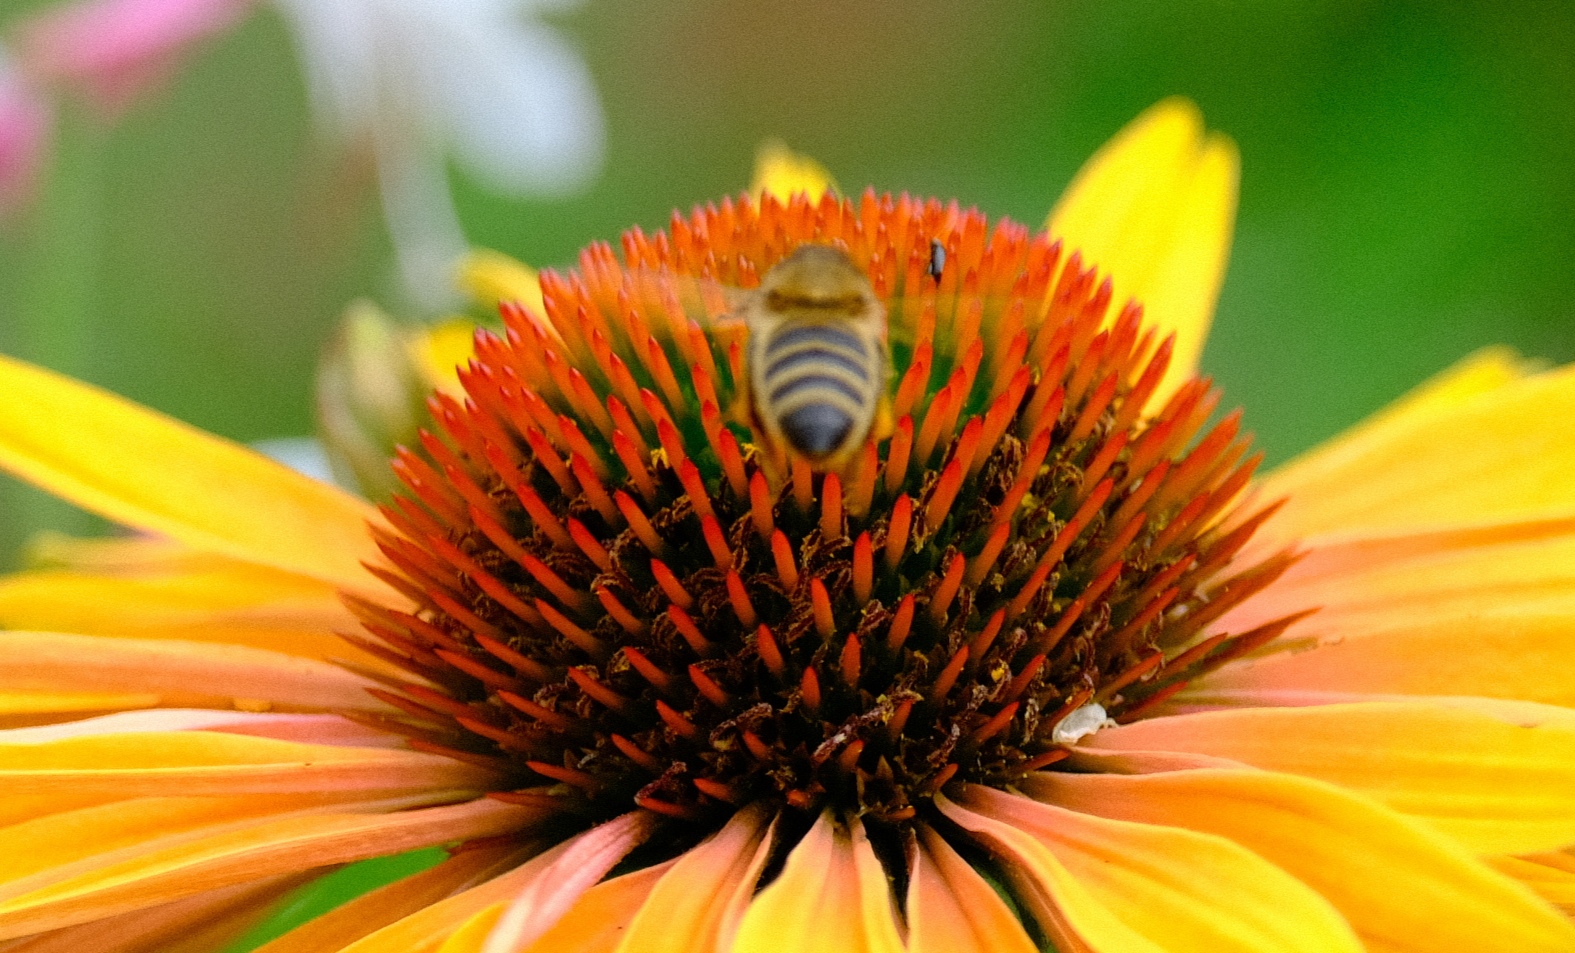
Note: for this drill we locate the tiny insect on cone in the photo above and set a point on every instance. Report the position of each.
(1045, 664)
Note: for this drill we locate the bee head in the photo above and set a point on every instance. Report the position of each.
(818, 277)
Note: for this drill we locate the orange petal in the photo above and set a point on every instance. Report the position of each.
(1493, 449)
(55, 846)
(152, 764)
(951, 909)
(236, 603)
(1155, 209)
(1550, 876)
(697, 906)
(562, 883)
(262, 850)
(198, 924)
(831, 897)
(1496, 787)
(185, 671)
(145, 470)
(1399, 885)
(373, 911)
(1117, 885)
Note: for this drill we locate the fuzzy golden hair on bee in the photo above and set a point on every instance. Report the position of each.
(816, 363)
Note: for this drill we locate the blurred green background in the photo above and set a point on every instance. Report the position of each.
(1406, 195)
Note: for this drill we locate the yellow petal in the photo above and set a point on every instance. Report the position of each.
(831, 897)
(601, 918)
(472, 935)
(1123, 886)
(1400, 886)
(1477, 447)
(690, 909)
(491, 277)
(782, 173)
(145, 470)
(1154, 209)
(951, 909)
(193, 673)
(372, 911)
(262, 850)
(23, 704)
(1496, 787)
(209, 763)
(438, 352)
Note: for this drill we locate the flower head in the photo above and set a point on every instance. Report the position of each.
(1032, 665)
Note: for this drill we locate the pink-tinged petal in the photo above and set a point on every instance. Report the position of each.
(698, 905)
(142, 469)
(263, 850)
(1118, 885)
(307, 729)
(198, 924)
(541, 904)
(599, 920)
(1207, 697)
(153, 764)
(179, 671)
(1475, 612)
(113, 49)
(24, 135)
(1495, 786)
(1401, 886)
(951, 909)
(1368, 586)
(426, 930)
(388, 904)
(831, 897)
(1508, 654)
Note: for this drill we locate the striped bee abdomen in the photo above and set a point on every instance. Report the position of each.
(819, 384)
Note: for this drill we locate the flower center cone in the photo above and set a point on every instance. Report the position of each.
(616, 601)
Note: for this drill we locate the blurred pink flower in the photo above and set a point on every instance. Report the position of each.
(113, 50)
(24, 130)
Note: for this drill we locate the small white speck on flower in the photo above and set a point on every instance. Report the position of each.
(1081, 723)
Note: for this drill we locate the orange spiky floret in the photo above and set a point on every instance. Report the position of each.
(619, 602)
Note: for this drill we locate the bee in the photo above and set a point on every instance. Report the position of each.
(816, 361)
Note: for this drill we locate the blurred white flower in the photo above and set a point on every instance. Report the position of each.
(483, 82)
